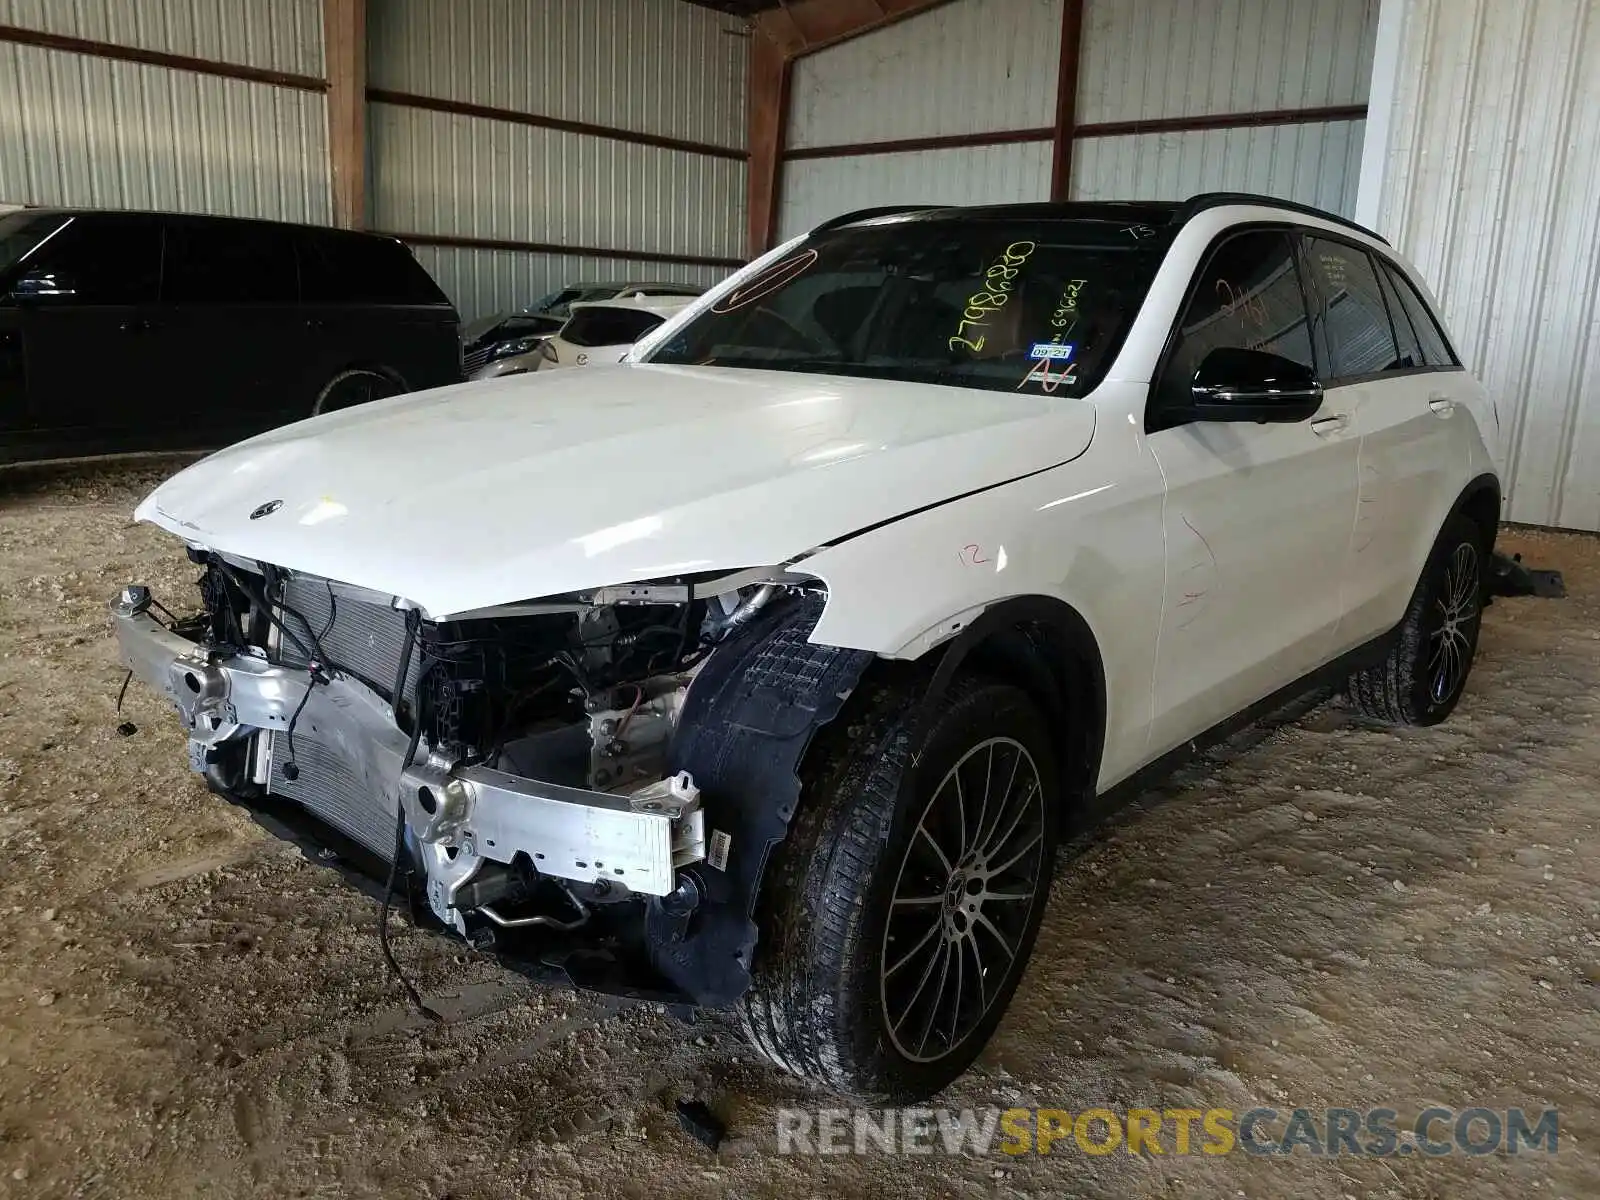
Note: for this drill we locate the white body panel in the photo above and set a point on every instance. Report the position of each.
(1257, 522)
(568, 355)
(1213, 563)
(486, 493)
(563, 353)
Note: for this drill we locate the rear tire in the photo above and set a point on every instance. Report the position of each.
(899, 914)
(360, 385)
(1422, 679)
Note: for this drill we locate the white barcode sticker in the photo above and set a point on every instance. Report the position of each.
(717, 855)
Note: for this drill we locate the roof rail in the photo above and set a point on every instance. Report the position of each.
(1205, 200)
(1181, 212)
(867, 214)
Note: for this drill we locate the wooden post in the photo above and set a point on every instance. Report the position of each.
(777, 37)
(769, 119)
(344, 26)
(1066, 99)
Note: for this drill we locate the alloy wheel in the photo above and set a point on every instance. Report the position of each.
(970, 878)
(1457, 609)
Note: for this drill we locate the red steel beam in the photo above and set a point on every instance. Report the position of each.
(1066, 99)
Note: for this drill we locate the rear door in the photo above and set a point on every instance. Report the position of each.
(1396, 387)
(86, 322)
(232, 333)
(1257, 516)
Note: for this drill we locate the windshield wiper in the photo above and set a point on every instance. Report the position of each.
(767, 363)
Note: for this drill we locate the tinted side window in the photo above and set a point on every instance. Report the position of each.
(228, 262)
(20, 232)
(1435, 350)
(109, 259)
(1404, 333)
(341, 268)
(1360, 339)
(1247, 296)
(608, 327)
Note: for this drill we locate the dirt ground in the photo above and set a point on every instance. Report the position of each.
(1334, 915)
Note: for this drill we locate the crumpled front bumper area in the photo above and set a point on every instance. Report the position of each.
(459, 818)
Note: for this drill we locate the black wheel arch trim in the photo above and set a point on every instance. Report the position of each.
(1487, 484)
(754, 711)
(1063, 673)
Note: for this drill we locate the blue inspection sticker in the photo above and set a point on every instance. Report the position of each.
(1044, 350)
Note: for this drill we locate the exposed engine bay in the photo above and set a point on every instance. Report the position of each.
(524, 775)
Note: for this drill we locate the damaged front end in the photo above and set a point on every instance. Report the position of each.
(587, 783)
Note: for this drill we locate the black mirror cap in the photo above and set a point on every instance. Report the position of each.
(1235, 384)
(29, 287)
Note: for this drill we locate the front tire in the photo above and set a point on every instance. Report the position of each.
(1422, 679)
(900, 912)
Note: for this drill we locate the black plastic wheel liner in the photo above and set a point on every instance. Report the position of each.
(749, 718)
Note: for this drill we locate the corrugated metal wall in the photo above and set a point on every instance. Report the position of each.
(1489, 180)
(1189, 58)
(817, 188)
(968, 67)
(490, 281)
(1159, 59)
(976, 66)
(471, 177)
(658, 67)
(655, 66)
(81, 130)
(285, 35)
(1313, 164)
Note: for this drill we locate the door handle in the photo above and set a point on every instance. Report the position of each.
(1441, 404)
(1327, 425)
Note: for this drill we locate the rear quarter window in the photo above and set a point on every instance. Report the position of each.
(608, 327)
(1436, 351)
(341, 268)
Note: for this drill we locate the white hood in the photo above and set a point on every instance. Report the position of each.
(489, 493)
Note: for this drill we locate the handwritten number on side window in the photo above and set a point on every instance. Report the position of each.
(1248, 306)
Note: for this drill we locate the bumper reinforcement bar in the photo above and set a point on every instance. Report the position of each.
(462, 816)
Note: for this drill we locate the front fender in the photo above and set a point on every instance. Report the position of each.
(1087, 534)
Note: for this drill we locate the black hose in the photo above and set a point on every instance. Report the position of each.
(421, 716)
(260, 600)
(413, 622)
(412, 995)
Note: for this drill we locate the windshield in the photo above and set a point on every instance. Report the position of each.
(1040, 305)
(21, 232)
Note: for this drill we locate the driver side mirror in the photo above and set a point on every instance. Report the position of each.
(40, 284)
(1235, 384)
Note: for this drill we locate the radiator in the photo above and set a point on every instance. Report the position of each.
(366, 640)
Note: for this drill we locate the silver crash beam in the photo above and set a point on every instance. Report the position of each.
(462, 816)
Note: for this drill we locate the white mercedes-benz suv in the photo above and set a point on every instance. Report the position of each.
(769, 668)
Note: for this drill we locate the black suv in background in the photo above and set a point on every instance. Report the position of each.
(125, 331)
